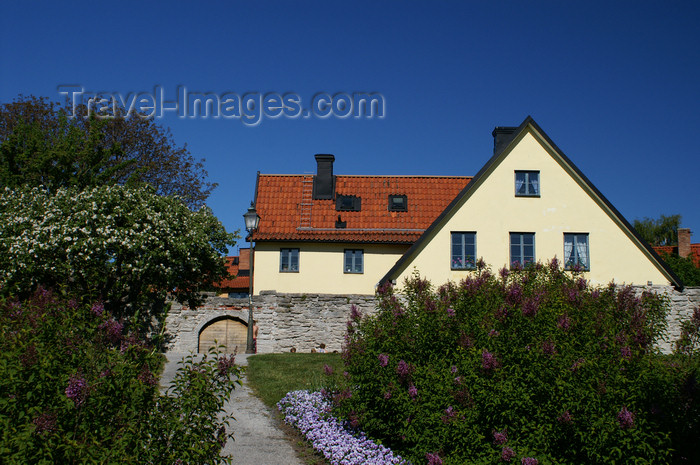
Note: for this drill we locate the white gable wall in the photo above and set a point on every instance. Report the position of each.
(493, 211)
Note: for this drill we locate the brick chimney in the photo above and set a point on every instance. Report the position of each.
(501, 135)
(324, 181)
(244, 260)
(683, 242)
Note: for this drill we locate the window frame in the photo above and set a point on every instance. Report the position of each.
(288, 253)
(567, 264)
(353, 267)
(526, 183)
(521, 244)
(354, 203)
(391, 205)
(463, 255)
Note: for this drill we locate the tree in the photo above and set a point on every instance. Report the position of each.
(42, 144)
(663, 231)
(127, 246)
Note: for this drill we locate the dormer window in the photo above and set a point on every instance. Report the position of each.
(348, 203)
(527, 183)
(398, 203)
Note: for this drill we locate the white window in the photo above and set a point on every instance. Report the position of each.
(354, 261)
(463, 255)
(522, 248)
(289, 260)
(576, 251)
(527, 183)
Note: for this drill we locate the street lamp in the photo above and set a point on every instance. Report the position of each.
(251, 224)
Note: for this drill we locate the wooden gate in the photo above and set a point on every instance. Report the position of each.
(229, 332)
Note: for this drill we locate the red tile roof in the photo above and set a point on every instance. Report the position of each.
(239, 282)
(287, 211)
(673, 249)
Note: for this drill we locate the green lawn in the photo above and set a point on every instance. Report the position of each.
(271, 376)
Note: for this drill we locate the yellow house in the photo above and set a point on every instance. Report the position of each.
(531, 203)
(333, 234)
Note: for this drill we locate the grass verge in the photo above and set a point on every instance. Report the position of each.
(272, 376)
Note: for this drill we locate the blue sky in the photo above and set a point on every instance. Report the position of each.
(616, 85)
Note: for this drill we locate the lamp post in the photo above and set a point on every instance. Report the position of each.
(251, 224)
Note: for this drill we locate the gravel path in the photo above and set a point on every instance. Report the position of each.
(258, 441)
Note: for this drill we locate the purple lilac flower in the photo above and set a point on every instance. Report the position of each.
(504, 272)
(531, 306)
(453, 369)
(502, 313)
(433, 459)
(412, 392)
(564, 323)
(449, 414)
(565, 418)
(488, 360)
(507, 454)
(500, 437)
(529, 461)
(548, 348)
(308, 412)
(77, 389)
(402, 369)
(515, 294)
(451, 312)
(383, 359)
(465, 340)
(387, 395)
(493, 333)
(146, 377)
(98, 308)
(581, 283)
(225, 363)
(554, 265)
(113, 330)
(625, 418)
(458, 380)
(626, 352)
(355, 313)
(45, 423)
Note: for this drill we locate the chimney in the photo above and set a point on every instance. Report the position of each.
(244, 259)
(501, 135)
(324, 181)
(683, 242)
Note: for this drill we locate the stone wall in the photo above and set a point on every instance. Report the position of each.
(284, 320)
(682, 306)
(305, 321)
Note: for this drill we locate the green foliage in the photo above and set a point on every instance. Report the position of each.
(662, 231)
(76, 388)
(534, 363)
(684, 268)
(126, 246)
(46, 144)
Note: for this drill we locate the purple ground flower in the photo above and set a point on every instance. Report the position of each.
(507, 454)
(383, 359)
(625, 418)
(77, 389)
(308, 412)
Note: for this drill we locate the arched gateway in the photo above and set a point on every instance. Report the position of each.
(228, 331)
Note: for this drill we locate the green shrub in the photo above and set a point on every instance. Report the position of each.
(75, 387)
(532, 363)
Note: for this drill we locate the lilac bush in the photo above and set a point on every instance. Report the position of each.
(528, 366)
(310, 413)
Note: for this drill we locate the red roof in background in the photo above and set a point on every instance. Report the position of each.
(239, 282)
(673, 249)
(280, 202)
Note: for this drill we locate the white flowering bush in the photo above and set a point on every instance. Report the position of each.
(127, 246)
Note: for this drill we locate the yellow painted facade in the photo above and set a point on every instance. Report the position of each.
(321, 268)
(566, 205)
